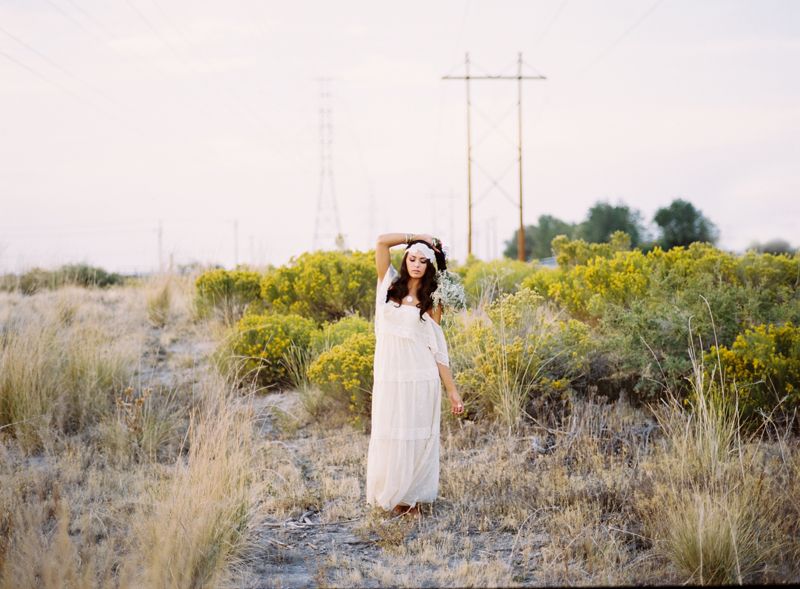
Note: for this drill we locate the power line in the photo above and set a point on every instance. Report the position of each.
(550, 24)
(234, 101)
(57, 84)
(435, 156)
(619, 39)
(60, 68)
(146, 66)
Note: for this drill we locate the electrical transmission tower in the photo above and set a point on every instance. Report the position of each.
(327, 230)
(495, 183)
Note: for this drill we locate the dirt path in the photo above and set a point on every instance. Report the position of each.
(314, 528)
(291, 552)
(325, 540)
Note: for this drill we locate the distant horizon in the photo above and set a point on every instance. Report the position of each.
(210, 264)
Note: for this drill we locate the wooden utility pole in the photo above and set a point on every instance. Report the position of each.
(160, 247)
(469, 161)
(521, 237)
(519, 77)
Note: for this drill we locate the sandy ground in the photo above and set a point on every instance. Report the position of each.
(338, 542)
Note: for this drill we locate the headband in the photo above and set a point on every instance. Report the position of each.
(424, 249)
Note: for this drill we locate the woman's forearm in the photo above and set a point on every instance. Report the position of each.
(447, 377)
(391, 239)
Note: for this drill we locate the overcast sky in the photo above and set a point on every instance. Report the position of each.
(204, 118)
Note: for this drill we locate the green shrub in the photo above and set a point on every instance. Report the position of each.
(85, 275)
(258, 347)
(323, 285)
(764, 363)
(645, 306)
(333, 333)
(226, 293)
(486, 281)
(345, 374)
(37, 279)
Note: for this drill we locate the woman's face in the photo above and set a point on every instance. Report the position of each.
(416, 264)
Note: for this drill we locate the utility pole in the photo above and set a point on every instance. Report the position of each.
(519, 77)
(160, 247)
(521, 236)
(235, 243)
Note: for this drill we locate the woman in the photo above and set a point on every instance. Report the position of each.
(411, 361)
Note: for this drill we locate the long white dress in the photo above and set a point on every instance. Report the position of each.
(403, 455)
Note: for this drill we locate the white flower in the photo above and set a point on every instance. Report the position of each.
(449, 292)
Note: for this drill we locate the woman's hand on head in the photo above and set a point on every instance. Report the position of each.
(428, 239)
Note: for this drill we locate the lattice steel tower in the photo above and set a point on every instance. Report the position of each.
(327, 230)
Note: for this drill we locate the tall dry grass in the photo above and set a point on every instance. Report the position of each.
(60, 368)
(715, 514)
(195, 521)
(159, 301)
(106, 478)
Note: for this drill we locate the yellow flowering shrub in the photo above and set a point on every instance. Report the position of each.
(259, 344)
(575, 252)
(226, 293)
(764, 363)
(645, 306)
(323, 285)
(593, 276)
(518, 356)
(344, 372)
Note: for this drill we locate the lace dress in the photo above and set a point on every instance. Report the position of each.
(403, 455)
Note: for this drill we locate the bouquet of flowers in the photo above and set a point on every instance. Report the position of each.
(449, 293)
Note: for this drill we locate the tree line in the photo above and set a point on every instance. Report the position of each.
(678, 224)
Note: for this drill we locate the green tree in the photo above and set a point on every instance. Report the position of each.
(774, 246)
(603, 219)
(538, 238)
(681, 224)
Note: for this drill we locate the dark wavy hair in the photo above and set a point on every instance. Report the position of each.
(428, 284)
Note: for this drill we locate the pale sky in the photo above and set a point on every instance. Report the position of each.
(203, 116)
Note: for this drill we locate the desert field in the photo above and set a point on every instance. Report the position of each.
(132, 455)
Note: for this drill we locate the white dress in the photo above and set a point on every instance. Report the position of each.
(403, 455)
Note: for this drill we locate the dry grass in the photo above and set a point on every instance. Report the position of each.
(59, 366)
(194, 522)
(145, 469)
(506, 515)
(110, 476)
(599, 501)
(718, 495)
(158, 303)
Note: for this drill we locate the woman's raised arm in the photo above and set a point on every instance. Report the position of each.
(387, 240)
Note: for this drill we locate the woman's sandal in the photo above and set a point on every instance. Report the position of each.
(406, 510)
